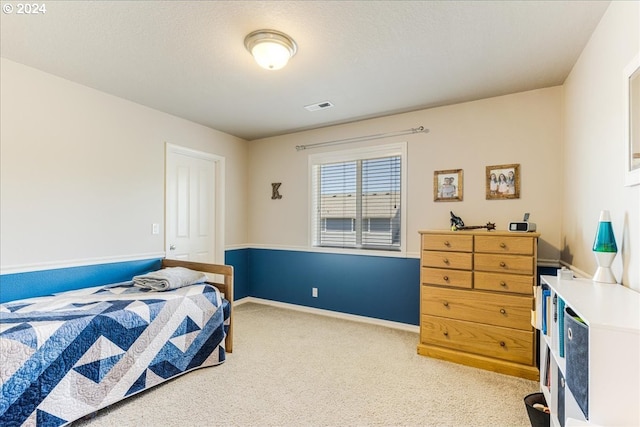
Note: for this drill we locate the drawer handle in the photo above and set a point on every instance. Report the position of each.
(502, 344)
(502, 264)
(445, 333)
(446, 304)
(446, 261)
(503, 284)
(502, 245)
(447, 244)
(503, 311)
(445, 278)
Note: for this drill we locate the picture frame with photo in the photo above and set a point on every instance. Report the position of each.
(632, 122)
(503, 182)
(447, 185)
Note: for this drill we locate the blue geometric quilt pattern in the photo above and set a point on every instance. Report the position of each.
(65, 356)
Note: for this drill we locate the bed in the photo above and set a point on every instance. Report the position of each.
(68, 355)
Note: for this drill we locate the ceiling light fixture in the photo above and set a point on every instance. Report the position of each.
(271, 49)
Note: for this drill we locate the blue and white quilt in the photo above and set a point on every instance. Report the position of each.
(68, 355)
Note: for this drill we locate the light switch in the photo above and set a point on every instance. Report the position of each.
(155, 229)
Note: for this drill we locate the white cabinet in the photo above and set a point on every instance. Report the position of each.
(612, 317)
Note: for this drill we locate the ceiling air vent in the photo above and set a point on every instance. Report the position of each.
(319, 106)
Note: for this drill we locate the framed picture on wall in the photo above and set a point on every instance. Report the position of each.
(447, 185)
(503, 182)
(632, 121)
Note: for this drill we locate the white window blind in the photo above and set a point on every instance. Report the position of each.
(357, 203)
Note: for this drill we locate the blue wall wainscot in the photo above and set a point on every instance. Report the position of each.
(385, 288)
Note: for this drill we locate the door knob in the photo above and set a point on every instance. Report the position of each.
(172, 247)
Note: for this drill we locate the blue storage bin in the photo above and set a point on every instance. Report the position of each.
(561, 394)
(576, 339)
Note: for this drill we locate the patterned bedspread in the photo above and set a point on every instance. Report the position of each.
(68, 355)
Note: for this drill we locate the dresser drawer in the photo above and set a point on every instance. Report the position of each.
(453, 260)
(511, 311)
(447, 242)
(502, 282)
(443, 277)
(492, 341)
(516, 245)
(514, 264)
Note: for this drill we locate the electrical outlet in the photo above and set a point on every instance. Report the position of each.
(314, 292)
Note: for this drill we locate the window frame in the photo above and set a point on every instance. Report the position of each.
(348, 155)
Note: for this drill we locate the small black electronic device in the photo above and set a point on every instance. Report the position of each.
(522, 226)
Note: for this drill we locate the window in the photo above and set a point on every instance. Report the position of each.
(357, 198)
(378, 225)
(338, 224)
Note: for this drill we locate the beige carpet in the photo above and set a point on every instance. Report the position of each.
(291, 368)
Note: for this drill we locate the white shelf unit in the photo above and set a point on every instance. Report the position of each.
(612, 314)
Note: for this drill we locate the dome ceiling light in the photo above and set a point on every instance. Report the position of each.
(271, 49)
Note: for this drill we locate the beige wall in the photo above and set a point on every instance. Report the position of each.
(82, 172)
(594, 150)
(524, 128)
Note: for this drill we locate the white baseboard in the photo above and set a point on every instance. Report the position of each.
(388, 323)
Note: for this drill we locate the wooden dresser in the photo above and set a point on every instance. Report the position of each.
(476, 298)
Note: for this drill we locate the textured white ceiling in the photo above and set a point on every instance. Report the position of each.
(369, 58)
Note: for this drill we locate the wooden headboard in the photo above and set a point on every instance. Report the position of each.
(226, 288)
